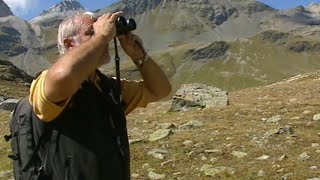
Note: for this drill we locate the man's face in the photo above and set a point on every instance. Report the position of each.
(86, 31)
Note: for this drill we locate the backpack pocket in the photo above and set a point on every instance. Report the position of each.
(22, 142)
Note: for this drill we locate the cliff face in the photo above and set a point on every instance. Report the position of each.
(4, 9)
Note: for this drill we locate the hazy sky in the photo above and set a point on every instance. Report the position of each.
(287, 4)
(28, 9)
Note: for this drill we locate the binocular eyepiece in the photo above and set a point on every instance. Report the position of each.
(124, 26)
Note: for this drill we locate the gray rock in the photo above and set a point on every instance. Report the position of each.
(159, 134)
(274, 119)
(191, 125)
(158, 153)
(9, 104)
(6, 174)
(154, 175)
(1, 99)
(263, 157)
(315, 178)
(195, 96)
(261, 173)
(287, 176)
(134, 141)
(239, 154)
(303, 156)
(209, 170)
(188, 143)
(316, 117)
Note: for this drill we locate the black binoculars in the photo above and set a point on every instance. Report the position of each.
(124, 26)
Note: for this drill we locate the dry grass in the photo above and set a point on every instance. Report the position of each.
(237, 127)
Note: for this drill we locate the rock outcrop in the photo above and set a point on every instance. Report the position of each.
(195, 96)
(9, 72)
(4, 9)
(214, 50)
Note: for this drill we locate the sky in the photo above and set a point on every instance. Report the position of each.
(28, 9)
(288, 4)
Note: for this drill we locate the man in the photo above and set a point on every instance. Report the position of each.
(89, 138)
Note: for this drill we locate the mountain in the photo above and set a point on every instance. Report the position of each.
(31, 46)
(67, 5)
(229, 44)
(4, 9)
(54, 15)
(314, 8)
(20, 45)
(267, 59)
(167, 22)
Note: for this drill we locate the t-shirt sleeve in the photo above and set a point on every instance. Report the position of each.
(42, 106)
(135, 94)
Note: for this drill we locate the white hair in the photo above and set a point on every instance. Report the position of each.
(70, 27)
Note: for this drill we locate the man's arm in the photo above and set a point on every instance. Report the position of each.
(154, 78)
(66, 76)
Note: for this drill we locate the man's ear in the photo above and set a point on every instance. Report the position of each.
(68, 43)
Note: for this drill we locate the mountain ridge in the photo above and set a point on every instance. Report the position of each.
(4, 9)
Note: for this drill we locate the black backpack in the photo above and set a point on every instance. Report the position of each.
(27, 161)
(33, 142)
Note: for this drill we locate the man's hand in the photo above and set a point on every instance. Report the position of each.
(133, 46)
(106, 26)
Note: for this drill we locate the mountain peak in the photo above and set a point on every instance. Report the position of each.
(314, 8)
(66, 5)
(4, 9)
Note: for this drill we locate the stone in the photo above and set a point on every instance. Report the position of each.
(159, 134)
(154, 175)
(316, 117)
(209, 170)
(239, 154)
(158, 153)
(9, 104)
(303, 156)
(263, 157)
(191, 125)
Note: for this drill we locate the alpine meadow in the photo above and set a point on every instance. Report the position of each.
(245, 103)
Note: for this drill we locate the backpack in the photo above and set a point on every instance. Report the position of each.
(27, 163)
(34, 142)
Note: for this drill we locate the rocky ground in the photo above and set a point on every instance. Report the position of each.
(267, 132)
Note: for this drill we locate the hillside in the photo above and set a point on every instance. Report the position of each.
(267, 132)
(272, 127)
(14, 83)
(267, 59)
(236, 41)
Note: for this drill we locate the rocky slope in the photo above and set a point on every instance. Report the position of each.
(53, 16)
(266, 132)
(4, 9)
(31, 46)
(13, 82)
(210, 41)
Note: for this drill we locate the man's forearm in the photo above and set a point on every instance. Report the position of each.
(67, 74)
(155, 79)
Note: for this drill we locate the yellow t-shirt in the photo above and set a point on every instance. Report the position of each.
(134, 94)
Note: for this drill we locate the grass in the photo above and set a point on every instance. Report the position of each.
(5, 163)
(237, 127)
(233, 128)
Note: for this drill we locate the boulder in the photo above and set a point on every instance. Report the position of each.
(9, 104)
(195, 96)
